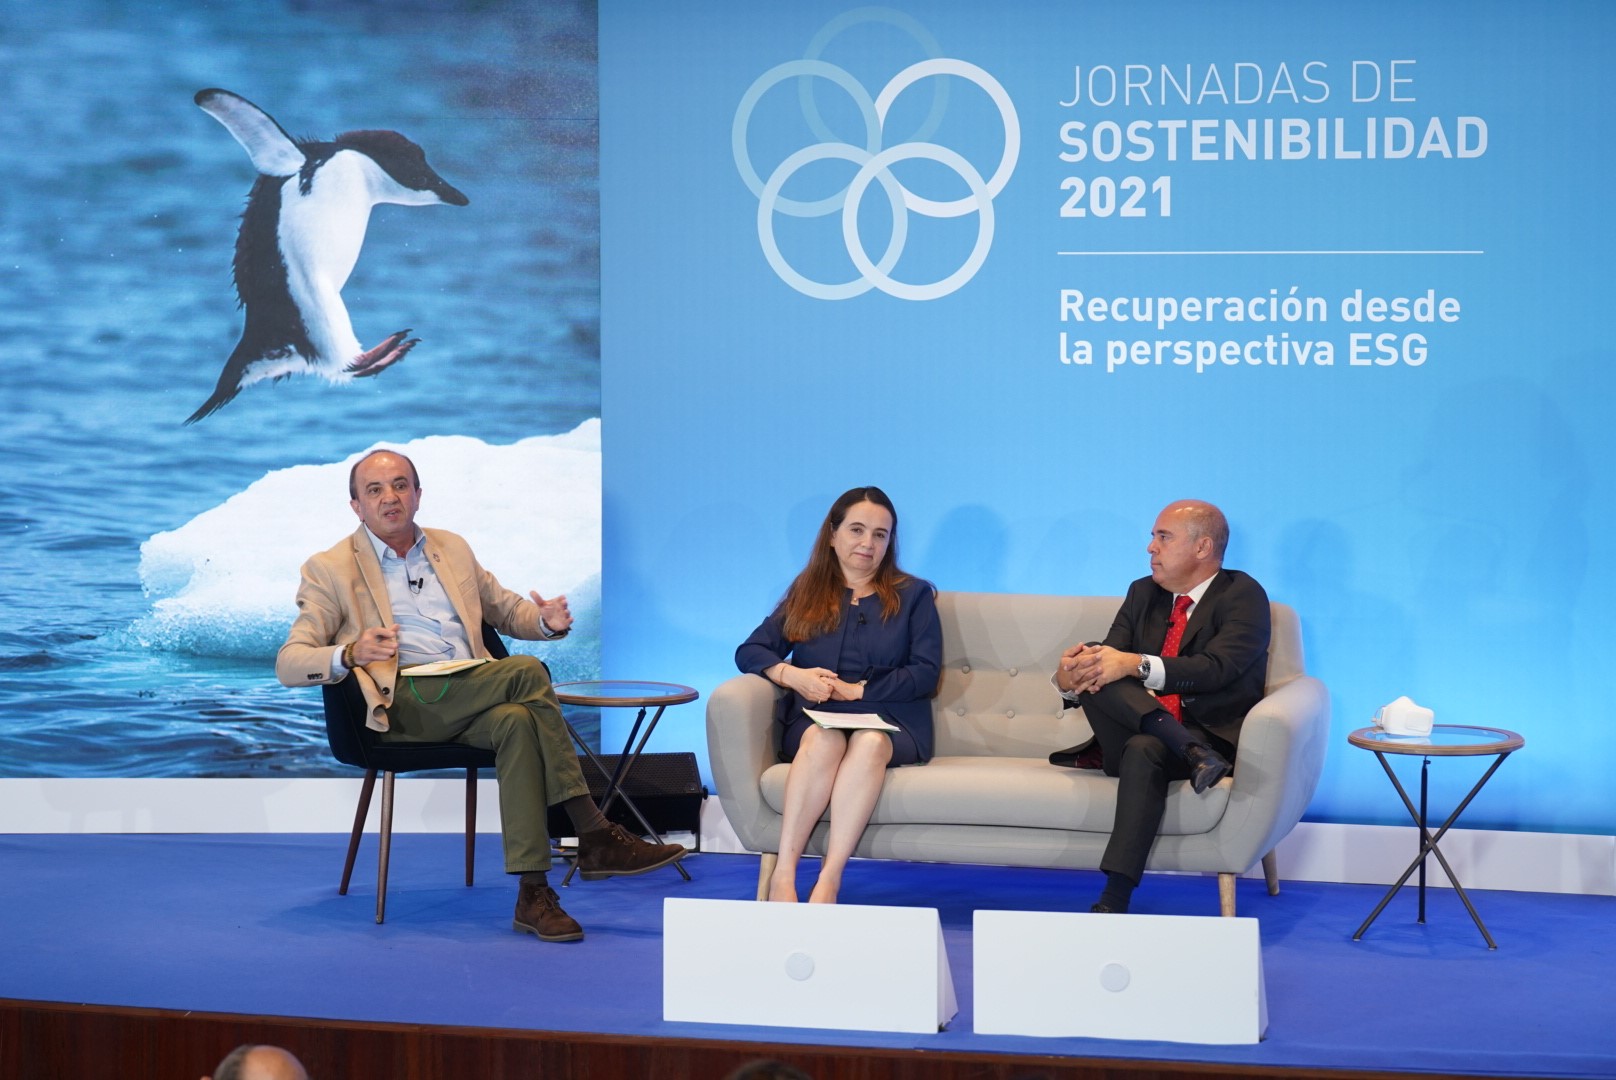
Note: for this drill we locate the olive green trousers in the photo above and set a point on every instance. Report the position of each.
(508, 707)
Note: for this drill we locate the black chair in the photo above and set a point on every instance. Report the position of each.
(352, 743)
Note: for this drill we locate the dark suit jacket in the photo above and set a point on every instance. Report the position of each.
(897, 659)
(1222, 661)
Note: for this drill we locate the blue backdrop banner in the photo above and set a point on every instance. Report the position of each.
(1039, 269)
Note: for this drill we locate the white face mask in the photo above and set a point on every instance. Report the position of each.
(1403, 717)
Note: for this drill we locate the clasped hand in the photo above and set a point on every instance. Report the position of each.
(819, 684)
(1085, 668)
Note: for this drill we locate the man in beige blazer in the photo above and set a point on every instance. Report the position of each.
(394, 594)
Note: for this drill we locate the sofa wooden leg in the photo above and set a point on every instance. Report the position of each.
(1270, 870)
(766, 865)
(1226, 895)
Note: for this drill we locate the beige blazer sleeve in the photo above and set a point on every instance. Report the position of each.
(342, 593)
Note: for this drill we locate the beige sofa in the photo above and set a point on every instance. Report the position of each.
(991, 796)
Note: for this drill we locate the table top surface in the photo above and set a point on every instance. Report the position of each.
(623, 692)
(1445, 740)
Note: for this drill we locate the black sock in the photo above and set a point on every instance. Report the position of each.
(1175, 736)
(535, 877)
(585, 815)
(1118, 891)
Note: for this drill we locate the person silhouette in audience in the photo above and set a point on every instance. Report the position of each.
(259, 1062)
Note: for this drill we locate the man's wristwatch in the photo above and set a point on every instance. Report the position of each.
(1143, 670)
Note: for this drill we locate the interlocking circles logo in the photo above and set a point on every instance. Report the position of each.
(873, 152)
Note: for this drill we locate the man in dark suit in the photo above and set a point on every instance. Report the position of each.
(1196, 635)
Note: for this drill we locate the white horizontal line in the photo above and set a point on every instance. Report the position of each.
(1108, 253)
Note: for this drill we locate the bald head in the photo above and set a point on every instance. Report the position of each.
(1203, 519)
(259, 1063)
(353, 473)
(1187, 544)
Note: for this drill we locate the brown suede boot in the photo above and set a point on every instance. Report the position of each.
(538, 912)
(614, 852)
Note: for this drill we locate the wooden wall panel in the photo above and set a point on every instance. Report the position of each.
(49, 1041)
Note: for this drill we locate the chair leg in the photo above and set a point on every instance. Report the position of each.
(386, 846)
(766, 864)
(471, 821)
(358, 829)
(1226, 895)
(1270, 870)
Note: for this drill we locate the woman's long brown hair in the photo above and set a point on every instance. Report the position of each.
(813, 604)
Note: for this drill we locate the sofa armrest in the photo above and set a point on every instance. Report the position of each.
(740, 748)
(1277, 769)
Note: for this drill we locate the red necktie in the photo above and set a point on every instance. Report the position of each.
(1175, 634)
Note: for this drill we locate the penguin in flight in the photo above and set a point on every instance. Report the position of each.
(300, 237)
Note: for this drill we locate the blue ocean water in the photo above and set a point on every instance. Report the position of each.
(118, 219)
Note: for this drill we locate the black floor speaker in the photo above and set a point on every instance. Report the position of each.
(666, 787)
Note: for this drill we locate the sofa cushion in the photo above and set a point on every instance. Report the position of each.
(994, 695)
(1026, 792)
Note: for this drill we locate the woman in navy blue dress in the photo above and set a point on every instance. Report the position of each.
(862, 637)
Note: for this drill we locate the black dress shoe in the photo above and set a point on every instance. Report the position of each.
(1101, 909)
(1207, 766)
(1067, 758)
(1085, 755)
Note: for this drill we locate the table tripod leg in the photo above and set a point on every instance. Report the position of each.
(1452, 877)
(614, 780)
(625, 760)
(1427, 848)
(1384, 900)
(631, 754)
(1427, 843)
(1425, 774)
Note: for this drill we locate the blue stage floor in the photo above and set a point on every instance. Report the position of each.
(253, 924)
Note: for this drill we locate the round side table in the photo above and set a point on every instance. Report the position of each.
(1445, 740)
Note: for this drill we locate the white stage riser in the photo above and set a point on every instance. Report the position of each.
(1314, 851)
(1075, 975)
(839, 966)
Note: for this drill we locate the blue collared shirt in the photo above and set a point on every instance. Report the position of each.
(429, 628)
